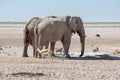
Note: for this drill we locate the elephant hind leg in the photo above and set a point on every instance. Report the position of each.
(52, 47)
(47, 45)
(34, 50)
(25, 49)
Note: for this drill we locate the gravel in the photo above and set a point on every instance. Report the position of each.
(18, 68)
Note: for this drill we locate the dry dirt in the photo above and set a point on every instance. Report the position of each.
(102, 65)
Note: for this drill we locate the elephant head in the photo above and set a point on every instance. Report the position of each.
(76, 25)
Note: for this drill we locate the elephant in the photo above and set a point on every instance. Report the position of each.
(29, 36)
(60, 28)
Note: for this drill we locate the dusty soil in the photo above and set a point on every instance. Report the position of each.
(100, 65)
(17, 68)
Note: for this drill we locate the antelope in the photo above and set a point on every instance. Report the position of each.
(59, 50)
(42, 53)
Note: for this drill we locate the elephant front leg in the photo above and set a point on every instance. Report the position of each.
(66, 45)
(52, 47)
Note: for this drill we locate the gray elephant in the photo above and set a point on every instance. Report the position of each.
(29, 35)
(61, 28)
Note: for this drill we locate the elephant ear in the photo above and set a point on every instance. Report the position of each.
(73, 24)
(67, 19)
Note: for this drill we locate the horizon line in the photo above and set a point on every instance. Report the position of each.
(22, 22)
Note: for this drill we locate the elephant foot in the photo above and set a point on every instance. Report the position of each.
(25, 56)
(35, 56)
(67, 56)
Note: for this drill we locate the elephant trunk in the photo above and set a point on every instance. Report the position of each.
(82, 40)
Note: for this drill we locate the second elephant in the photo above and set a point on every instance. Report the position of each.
(29, 36)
